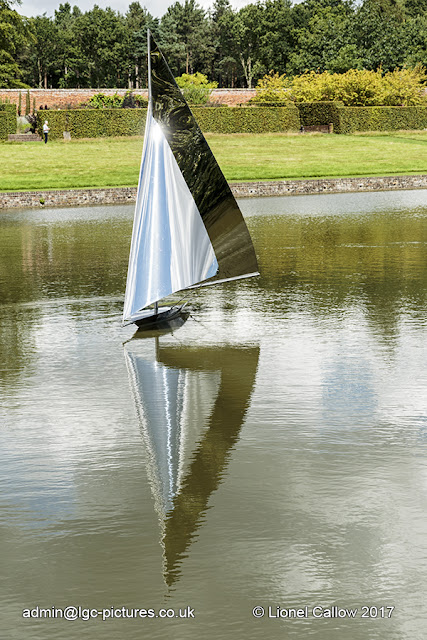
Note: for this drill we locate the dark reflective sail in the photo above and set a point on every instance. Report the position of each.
(216, 204)
(191, 404)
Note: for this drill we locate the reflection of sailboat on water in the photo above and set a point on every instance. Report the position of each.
(191, 404)
(188, 229)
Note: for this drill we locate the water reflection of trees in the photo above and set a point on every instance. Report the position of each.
(323, 264)
(16, 343)
(374, 261)
(42, 261)
(64, 259)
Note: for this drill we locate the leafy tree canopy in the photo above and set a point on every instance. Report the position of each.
(234, 47)
(13, 33)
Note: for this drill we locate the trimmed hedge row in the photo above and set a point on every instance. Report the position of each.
(247, 119)
(9, 110)
(318, 113)
(7, 122)
(92, 123)
(353, 119)
(7, 106)
(57, 122)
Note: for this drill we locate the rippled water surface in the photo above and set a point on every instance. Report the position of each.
(270, 452)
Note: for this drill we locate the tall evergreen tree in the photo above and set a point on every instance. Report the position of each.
(187, 38)
(137, 21)
(70, 61)
(224, 64)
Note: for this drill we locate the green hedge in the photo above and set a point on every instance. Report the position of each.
(318, 113)
(276, 103)
(93, 123)
(9, 110)
(353, 119)
(7, 120)
(57, 122)
(247, 119)
(4, 125)
(7, 106)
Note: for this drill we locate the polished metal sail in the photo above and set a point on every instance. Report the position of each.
(188, 228)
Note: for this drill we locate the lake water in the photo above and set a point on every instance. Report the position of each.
(271, 452)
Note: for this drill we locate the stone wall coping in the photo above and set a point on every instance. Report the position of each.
(119, 195)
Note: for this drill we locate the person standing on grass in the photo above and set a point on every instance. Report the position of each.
(46, 130)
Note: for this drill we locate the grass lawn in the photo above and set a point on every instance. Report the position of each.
(102, 162)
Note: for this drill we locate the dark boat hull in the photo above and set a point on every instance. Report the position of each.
(164, 314)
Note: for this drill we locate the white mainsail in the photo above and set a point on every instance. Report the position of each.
(170, 248)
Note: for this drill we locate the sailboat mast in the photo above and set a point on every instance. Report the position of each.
(150, 96)
(150, 108)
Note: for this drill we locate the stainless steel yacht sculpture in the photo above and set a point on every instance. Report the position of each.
(188, 229)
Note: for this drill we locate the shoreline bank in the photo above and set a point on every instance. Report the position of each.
(123, 195)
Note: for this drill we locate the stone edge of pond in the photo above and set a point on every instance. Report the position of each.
(121, 195)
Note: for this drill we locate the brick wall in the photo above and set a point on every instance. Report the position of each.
(232, 96)
(63, 98)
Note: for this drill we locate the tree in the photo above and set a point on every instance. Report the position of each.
(377, 29)
(138, 20)
(186, 38)
(246, 31)
(102, 48)
(277, 35)
(241, 41)
(224, 64)
(414, 8)
(324, 38)
(13, 34)
(69, 60)
(40, 55)
(414, 35)
(101, 36)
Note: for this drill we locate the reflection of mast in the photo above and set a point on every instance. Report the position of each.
(191, 405)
